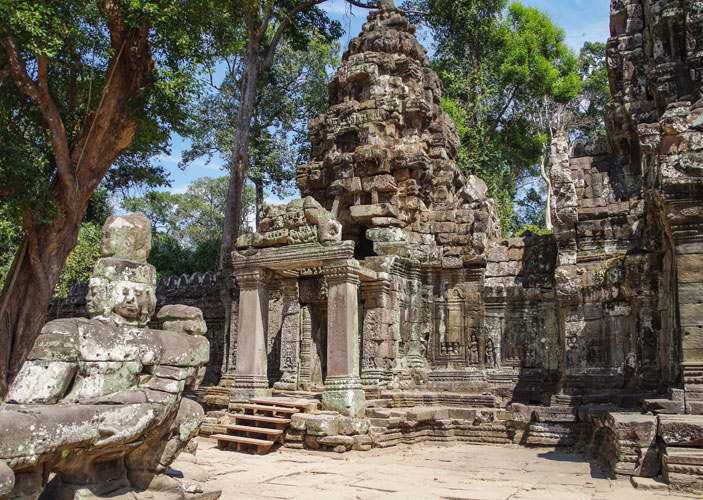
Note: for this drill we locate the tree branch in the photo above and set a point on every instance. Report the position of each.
(268, 60)
(511, 94)
(365, 5)
(39, 92)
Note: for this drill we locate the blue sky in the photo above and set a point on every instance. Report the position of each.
(582, 20)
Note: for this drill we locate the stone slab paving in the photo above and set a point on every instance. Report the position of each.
(422, 471)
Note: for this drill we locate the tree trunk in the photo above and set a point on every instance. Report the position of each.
(548, 209)
(108, 132)
(240, 158)
(259, 185)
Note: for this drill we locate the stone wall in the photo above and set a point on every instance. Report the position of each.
(628, 213)
(521, 316)
(655, 67)
(606, 275)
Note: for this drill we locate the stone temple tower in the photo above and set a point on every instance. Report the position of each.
(384, 155)
(380, 265)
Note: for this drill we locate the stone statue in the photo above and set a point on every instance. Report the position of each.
(99, 401)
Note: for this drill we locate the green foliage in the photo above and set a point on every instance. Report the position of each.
(589, 109)
(289, 93)
(10, 238)
(74, 39)
(536, 60)
(168, 255)
(187, 228)
(534, 229)
(99, 207)
(80, 262)
(497, 67)
(160, 207)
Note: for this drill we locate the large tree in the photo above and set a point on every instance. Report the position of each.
(290, 92)
(264, 25)
(499, 65)
(81, 84)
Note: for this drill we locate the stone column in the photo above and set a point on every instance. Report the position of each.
(689, 268)
(343, 391)
(250, 378)
(378, 348)
(290, 336)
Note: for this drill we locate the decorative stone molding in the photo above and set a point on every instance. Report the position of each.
(246, 387)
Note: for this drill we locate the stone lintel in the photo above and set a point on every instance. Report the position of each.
(283, 258)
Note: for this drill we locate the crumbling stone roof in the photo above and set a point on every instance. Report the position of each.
(384, 155)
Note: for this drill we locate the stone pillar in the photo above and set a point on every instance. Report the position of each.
(689, 269)
(343, 391)
(290, 336)
(250, 378)
(305, 345)
(378, 347)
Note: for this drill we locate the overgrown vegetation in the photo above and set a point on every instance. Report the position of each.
(187, 228)
(510, 82)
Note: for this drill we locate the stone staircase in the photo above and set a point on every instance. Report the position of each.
(261, 423)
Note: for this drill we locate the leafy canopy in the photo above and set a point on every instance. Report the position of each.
(496, 62)
(74, 40)
(187, 227)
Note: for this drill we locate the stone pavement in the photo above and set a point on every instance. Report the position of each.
(421, 471)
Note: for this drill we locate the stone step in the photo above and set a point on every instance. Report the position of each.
(261, 418)
(379, 403)
(649, 483)
(272, 409)
(663, 406)
(248, 428)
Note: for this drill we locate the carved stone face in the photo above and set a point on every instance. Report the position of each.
(131, 303)
(96, 297)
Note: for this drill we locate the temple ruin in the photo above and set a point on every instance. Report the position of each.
(388, 290)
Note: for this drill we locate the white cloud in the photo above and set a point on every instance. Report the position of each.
(177, 190)
(206, 165)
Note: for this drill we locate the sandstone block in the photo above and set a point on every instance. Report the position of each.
(126, 237)
(363, 212)
(381, 183)
(322, 424)
(681, 430)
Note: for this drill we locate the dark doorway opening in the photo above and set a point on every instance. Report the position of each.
(364, 247)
